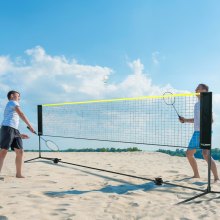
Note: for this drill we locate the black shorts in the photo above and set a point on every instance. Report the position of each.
(10, 138)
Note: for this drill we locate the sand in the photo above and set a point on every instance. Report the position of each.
(59, 191)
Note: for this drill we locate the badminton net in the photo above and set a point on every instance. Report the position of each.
(147, 120)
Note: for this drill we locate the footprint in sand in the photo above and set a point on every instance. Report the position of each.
(32, 196)
(43, 175)
(49, 181)
(60, 210)
(110, 165)
(113, 197)
(134, 204)
(54, 214)
(11, 203)
(12, 196)
(172, 171)
(2, 178)
(64, 204)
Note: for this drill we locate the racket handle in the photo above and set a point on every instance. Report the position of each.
(30, 129)
(181, 119)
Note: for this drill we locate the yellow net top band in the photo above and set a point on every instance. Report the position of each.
(123, 99)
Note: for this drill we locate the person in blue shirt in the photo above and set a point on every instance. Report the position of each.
(10, 136)
(195, 140)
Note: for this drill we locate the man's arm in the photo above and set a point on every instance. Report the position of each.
(186, 120)
(189, 120)
(24, 118)
(24, 136)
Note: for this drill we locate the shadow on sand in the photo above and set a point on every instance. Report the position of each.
(124, 188)
(120, 189)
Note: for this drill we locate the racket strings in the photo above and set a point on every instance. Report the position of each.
(51, 145)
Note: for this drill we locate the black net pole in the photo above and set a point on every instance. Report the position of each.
(39, 142)
(209, 171)
(40, 125)
(205, 136)
(206, 129)
(40, 119)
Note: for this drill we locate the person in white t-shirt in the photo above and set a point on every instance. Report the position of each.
(195, 140)
(10, 136)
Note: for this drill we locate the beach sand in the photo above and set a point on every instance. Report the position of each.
(59, 191)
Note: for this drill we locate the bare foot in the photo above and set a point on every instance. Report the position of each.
(196, 176)
(216, 181)
(19, 176)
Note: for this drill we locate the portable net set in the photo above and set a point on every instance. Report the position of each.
(147, 120)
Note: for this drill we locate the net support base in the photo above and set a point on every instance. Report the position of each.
(208, 190)
(203, 192)
(55, 160)
(198, 196)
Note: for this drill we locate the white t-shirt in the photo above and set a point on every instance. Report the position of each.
(197, 116)
(11, 117)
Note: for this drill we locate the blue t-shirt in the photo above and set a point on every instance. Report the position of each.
(11, 117)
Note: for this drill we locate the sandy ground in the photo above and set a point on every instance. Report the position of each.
(59, 191)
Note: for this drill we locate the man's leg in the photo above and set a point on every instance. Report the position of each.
(3, 153)
(193, 163)
(205, 154)
(18, 162)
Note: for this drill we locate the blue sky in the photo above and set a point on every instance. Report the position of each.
(173, 42)
(101, 32)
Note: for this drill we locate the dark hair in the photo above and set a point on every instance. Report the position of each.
(203, 86)
(11, 93)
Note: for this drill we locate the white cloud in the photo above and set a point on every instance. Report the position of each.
(45, 78)
(5, 64)
(138, 83)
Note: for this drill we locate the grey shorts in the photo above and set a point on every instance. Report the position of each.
(10, 138)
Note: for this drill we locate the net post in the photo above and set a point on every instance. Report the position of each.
(206, 128)
(40, 125)
(39, 140)
(40, 119)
